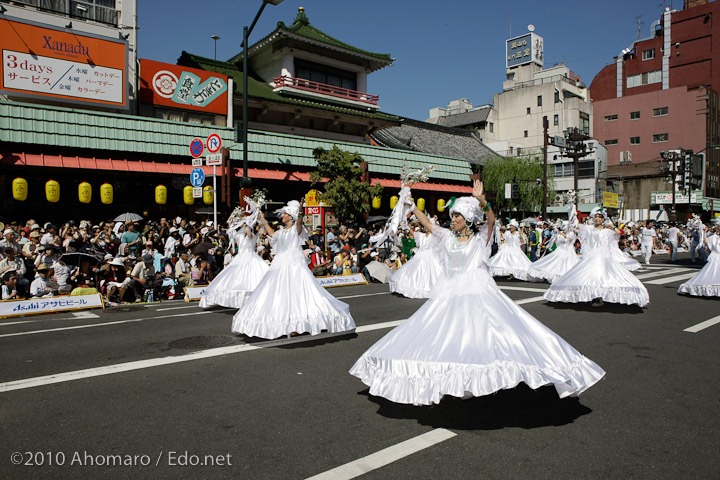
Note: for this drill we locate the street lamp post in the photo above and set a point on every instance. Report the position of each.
(246, 34)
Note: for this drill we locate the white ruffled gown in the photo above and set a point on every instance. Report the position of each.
(236, 281)
(557, 263)
(706, 282)
(289, 299)
(416, 278)
(598, 274)
(510, 260)
(470, 339)
(626, 260)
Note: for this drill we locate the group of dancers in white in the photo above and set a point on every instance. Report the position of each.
(469, 339)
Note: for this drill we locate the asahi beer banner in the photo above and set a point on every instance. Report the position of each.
(194, 293)
(342, 280)
(183, 87)
(14, 308)
(67, 65)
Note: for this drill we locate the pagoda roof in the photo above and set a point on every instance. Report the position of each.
(302, 32)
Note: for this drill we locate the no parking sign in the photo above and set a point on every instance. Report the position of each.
(196, 147)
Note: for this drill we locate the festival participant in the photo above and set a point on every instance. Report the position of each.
(706, 282)
(470, 339)
(237, 281)
(510, 260)
(288, 300)
(555, 264)
(598, 277)
(647, 242)
(416, 278)
(622, 258)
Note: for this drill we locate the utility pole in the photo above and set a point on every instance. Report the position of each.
(576, 149)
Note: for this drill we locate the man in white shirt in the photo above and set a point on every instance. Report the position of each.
(647, 240)
(38, 287)
(673, 232)
(183, 275)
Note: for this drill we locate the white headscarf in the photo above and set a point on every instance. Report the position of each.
(292, 208)
(469, 208)
(514, 223)
(599, 211)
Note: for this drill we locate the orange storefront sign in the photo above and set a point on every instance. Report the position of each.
(183, 87)
(74, 67)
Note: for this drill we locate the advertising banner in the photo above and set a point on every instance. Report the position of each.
(194, 293)
(14, 308)
(70, 66)
(341, 280)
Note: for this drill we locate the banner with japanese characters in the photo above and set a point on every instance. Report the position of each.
(342, 280)
(68, 65)
(194, 293)
(15, 308)
(183, 87)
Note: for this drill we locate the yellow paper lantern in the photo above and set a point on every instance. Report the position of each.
(161, 194)
(106, 193)
(421, 204)
(208, 195)
(20, 189)
(376, 202)
(393, 201)
(84, 192)
(52, 191)
(188, 195)
(441, 205)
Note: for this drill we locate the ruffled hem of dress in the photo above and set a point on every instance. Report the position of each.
(516, 274)
(229, 299)
(622, 295)
(424, 383)
(264, 328)
(700, 290)
(539, 275)
(408, 291)
(632, 267)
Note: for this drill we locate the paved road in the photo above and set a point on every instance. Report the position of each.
(125, 387)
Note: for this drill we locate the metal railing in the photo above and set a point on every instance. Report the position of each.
(325, 89)
(86, 10)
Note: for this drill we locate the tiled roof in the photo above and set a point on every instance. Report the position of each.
(467, 118)
(259, 89)
(428, 138)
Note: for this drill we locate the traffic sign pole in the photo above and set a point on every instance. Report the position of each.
(215, 224)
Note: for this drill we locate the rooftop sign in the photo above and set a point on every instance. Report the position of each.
(527, 48)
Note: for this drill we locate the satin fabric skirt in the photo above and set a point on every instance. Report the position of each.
(706, 283)
(416, 278)
(471, 339)
(235, 282)
(510, 261)
(626, 260)
(289, 299)
(554, 265)
(598, 275)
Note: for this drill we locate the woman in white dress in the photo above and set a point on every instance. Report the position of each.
(598, 277)
(416, 278)
(288, 299)
(555, 264)
(706, 282)
(510, 260)
(623, 258)
(470, 339)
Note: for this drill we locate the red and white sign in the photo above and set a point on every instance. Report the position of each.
(313, 210)
(196, 147)
(214, 143)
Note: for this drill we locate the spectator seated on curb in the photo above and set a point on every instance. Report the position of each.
(39, 286)
(9, 290)
(13, 263)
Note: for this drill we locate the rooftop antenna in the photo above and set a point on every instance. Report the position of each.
(640, 24)
(511, 24)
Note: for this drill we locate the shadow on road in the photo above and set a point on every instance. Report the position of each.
(519, 407)
(614, 308)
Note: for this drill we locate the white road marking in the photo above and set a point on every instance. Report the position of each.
(156, 362)
(529, 300)
(16, 323)
(365, 295)
(675, 278)
(85, 315)
(703, 325)
(523, 289)
(661, 273)
(386, 456)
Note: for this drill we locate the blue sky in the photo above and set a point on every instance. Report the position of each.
(444, 50)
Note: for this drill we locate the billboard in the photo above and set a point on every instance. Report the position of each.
(183, 87)
(524, 49)
(71, 67)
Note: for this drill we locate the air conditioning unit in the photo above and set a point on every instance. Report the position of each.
(558, 198)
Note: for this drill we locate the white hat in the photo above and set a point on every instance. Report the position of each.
(108, 256)
(8, 231)
(209, 223)
(117, 261)
(599, 211)
(373, 254)
(292, 208)
(469, 208)
(514, 223)
(173, 229)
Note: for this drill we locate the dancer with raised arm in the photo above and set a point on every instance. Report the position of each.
(288, 299)
(237, 281)
(416, 278)
(470, 339)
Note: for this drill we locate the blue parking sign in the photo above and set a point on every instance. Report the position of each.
(197, 177)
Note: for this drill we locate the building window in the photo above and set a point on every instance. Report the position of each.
(528, 110)
(660, 112)
(586, 168)
(648, 54)
(564, 170)
(584, 123)
(556, 119)
(611, 141)
(525, 133)
(646, 78)
(634, 115)
(610, 118)
(557, 96)
(319, 73)
(539, 100)
(492, 127)
(634, 140)
(660, 137)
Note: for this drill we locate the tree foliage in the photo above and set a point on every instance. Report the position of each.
(339, 173)
(499, 171)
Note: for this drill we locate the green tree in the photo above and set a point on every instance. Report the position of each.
(340, 174)
(499, 171)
